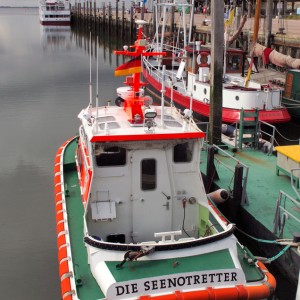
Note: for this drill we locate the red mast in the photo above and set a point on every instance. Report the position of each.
(133, 104)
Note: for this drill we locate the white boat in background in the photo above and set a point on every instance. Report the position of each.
(55, 12)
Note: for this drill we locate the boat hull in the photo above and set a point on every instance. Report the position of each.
(56, 23)
(229, 115)
(293, 107)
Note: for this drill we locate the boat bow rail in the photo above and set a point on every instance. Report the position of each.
(184, 243)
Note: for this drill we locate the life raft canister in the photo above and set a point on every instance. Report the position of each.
(204, 59)
(180, 56)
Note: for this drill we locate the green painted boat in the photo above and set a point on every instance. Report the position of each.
(291, 93)
(265, 200)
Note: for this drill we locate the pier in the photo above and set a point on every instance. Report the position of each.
(285, 36)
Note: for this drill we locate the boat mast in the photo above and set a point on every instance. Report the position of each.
(191, 21)
(97, 85)
(269, 17)
(254, 39)
(90, 84)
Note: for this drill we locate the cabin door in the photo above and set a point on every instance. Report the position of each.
(151, 197)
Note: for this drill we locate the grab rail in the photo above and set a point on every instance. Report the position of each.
(282, 213)
(271, 136)
(293, 180)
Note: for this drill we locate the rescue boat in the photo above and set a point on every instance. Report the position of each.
(132, 216)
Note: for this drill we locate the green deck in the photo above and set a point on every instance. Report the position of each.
(136, 269)
(263, 185)
(89, 289)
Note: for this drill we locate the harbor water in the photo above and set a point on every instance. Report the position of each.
(44, 83)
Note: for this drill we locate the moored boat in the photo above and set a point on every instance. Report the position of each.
(188, 77)
(55, 12)
(265, 206)
(291, 93)
(133, 218)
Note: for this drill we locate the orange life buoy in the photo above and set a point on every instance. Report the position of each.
(204, 59)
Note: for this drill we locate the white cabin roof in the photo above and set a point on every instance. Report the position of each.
(111, 123)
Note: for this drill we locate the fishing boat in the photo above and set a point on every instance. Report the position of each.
(188, 76)
(132, 215)
(291, 93)
(55, 12)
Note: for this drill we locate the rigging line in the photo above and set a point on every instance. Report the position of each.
(279, 254)
(257, 239)
(290, 140)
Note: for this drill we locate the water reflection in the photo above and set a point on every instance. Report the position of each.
(44, 83)
(56, 37)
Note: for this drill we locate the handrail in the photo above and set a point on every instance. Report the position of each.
(272, 136)
(156, 73)
(205, 124)
(294, 170)
(279, 222)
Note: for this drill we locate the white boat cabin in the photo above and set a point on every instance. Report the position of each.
(145, 179)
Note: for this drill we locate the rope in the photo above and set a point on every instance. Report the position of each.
(257, 239)
(278, 254)
(285, 137)
(287, 242)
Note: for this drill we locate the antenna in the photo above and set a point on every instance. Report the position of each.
(90, 85)
(97, 84)
(163, 95)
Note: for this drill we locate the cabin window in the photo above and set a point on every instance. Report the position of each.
(183, 152)
(110, 156)
(148, 174)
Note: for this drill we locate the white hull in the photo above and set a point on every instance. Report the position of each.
(54, 13)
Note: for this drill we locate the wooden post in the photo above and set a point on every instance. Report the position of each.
(123, 17)
(117, 13)
(131, 19)
(172, 18)
(269, 17)
(109, 13)
(216, 78)
(142, 4)
(104, 17)
(211, 172)
(235, 202)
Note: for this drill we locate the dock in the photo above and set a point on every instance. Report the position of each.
(285, 36)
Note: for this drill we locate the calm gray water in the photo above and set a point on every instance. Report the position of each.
(44, 83)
